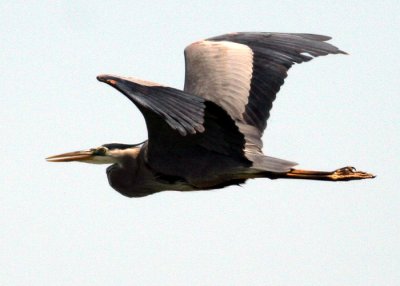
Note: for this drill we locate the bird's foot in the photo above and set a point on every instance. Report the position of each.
(342, 174)
(349, 173)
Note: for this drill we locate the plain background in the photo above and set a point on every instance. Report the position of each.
(61, 224)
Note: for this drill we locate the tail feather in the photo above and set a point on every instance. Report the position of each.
(270, 164)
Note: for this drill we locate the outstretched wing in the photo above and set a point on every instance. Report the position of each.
(184, 131)
(243, 72)
(183, 112)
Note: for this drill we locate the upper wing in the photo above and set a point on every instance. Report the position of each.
(243, 72)
(183, 112)
(184, 130)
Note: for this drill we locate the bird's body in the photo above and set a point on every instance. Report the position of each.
(208, 136)
(132, 175)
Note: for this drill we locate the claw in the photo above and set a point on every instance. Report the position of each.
(350, 173)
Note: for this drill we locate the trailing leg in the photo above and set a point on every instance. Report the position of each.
(342, 174)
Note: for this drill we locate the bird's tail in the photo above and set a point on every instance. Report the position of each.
(270, 164)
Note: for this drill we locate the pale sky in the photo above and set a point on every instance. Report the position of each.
(62, 224)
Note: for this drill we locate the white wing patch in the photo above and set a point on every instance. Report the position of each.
(220, 72)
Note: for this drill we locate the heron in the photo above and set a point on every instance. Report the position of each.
(209, 135)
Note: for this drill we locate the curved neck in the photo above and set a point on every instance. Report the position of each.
(122, 156)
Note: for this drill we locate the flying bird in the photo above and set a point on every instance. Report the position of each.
(208, 135)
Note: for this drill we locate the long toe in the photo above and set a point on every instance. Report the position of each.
(350, 173)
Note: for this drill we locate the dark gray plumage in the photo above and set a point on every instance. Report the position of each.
(209, 135)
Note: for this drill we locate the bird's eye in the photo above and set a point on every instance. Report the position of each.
(101, 151)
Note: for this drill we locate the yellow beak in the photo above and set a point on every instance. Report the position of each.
(72, 156)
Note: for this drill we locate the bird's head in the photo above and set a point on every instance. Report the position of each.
(104, 154)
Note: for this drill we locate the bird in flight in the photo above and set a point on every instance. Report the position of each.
(208, 135)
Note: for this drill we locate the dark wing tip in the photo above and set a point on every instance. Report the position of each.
(314, 37)
(296, 41)
(103, 77)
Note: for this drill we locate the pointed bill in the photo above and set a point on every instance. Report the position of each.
(72, 156)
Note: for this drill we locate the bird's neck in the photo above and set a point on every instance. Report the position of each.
(126, 156)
